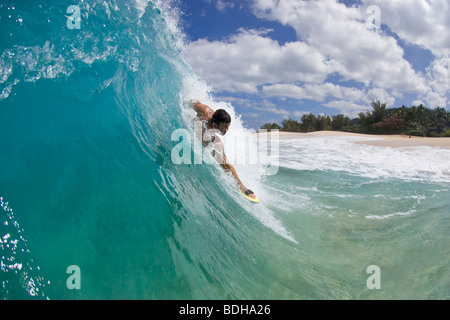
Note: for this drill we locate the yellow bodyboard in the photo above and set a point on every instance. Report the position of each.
(251, 199)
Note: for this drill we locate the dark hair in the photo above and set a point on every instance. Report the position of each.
(220, 116)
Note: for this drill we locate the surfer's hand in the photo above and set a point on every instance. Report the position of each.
(250, 194)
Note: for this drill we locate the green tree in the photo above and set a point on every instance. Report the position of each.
(422, 115)
(415, 120)
(379, 110)
(340, 121)
(270, 126)
(290, 125)
(401, 113)
(308, 122)
(439, 118)
(366, 120)
(389, 125)
(323, 123)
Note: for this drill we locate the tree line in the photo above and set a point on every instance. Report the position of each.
(413, 121)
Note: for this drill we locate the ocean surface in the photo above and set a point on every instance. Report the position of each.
(89, 103)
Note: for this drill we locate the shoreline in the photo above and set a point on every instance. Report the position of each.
(393, 141)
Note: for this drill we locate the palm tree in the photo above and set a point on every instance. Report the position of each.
(270, 126)
(422, 115)
(379, 110)
(440, 116)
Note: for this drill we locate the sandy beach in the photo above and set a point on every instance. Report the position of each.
(393, 141)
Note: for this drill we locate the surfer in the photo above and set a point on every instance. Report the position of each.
(218, 121)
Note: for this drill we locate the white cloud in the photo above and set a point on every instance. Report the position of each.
(345, 99)
(348, 108)
(273, 109)
(439, 75)
(341, 34)
(249, 59)
(221, 5)
(312, 91)
(426, 24)
(434, 99)
(422, 22)
(299, 114)
(284, 90)
(332, 39)
(380, 94)
(264, 105)
(252, 115)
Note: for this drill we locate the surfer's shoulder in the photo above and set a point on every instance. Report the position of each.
(204, 112)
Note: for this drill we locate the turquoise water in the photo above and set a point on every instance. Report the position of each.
(87, 179)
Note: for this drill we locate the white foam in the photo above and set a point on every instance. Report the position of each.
(391, 215)
(338, 153)
(251, 174)
(9, 247)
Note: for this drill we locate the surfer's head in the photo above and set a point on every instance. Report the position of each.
(221, 120)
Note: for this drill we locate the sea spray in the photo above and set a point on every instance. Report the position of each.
(20, 276)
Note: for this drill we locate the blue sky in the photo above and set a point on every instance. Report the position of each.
(275, 60)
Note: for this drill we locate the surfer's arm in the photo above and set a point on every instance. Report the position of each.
(221, 158)
(229, 168)
(203, 111)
